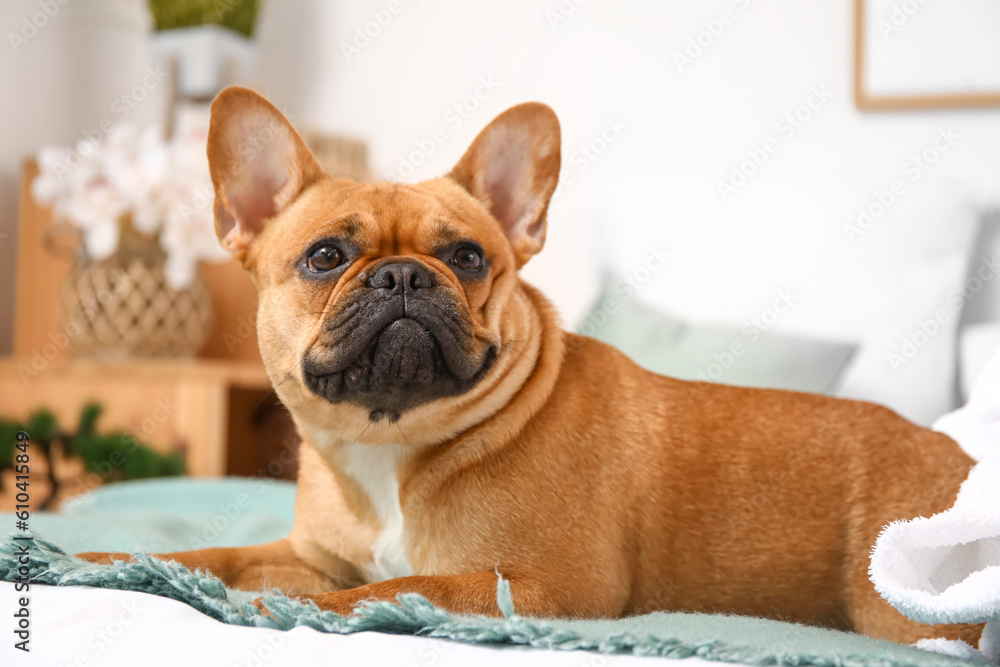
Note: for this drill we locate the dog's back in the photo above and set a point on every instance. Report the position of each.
(752, 500)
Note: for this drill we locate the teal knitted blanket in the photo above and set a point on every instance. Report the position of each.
(670, 635)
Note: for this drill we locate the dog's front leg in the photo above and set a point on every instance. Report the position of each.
(473, 593)
(255, 568)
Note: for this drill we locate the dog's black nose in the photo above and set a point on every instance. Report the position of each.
(400, 277)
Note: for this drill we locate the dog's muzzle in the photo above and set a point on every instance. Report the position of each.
(397, 342)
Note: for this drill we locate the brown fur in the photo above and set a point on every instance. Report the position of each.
(597, 488)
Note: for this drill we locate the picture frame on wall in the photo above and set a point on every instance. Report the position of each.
(922, 54)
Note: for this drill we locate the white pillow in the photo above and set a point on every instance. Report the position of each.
(783, 254)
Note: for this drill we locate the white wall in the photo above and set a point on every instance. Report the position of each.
(605, 61)
(615, 60)
(65, 66)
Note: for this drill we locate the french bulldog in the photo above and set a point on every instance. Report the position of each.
(453, 433)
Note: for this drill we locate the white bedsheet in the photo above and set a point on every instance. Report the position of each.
(84, 627)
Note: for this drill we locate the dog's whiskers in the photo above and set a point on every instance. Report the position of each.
(511, 347)
(358, 437)
(405, 439)
(288, 376)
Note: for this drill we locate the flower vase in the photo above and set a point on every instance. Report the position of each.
(123, 306)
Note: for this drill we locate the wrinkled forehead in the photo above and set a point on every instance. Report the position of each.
(387, 218)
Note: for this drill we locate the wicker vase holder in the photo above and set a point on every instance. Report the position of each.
(123, 307)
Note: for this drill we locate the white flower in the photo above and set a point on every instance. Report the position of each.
(101, 239)
(97, 204)
(163, 188)
(53, 165)
(179, 269)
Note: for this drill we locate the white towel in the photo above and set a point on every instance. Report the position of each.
(946, 568)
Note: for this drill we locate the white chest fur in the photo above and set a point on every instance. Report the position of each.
(374, 467)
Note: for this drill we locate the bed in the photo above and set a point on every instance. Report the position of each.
(84, 614)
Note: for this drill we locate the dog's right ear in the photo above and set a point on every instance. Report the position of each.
(259, 165)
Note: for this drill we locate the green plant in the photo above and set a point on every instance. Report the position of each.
(118, 455)
(237, 15)
(8, 433)
(45, 430)
(115, 456)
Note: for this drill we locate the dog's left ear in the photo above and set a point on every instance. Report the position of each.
(512, 167)
(259, 166)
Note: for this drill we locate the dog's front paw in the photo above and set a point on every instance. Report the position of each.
(341, 603)
(102, 558)
(259, 603)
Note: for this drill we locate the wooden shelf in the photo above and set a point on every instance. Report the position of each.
(168, 404)
(246, 374)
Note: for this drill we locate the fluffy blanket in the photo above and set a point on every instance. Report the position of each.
(946, 568)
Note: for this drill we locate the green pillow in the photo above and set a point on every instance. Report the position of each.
(747, 356)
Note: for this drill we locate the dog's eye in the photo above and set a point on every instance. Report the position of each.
(468, 259)
(324, 258)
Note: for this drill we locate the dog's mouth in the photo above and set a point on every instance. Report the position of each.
(408, 362)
